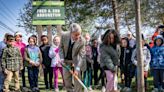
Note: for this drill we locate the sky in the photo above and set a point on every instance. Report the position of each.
(9, 13)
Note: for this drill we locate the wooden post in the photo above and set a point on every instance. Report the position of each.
(115, 15)
(49, 33)
(140, 66)
(39, 31)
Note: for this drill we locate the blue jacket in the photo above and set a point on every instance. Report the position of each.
(158, 55)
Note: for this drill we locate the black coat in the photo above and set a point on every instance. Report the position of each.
(125, 60)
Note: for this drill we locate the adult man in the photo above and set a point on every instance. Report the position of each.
(73, 47)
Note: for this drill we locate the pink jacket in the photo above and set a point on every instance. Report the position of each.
(21, 46)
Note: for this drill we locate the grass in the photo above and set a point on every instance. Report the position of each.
(42, 86)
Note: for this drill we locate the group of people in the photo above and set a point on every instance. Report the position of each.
(83, 57)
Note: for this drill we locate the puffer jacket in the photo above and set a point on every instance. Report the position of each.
(109, 58)
(158, 55)
(146, 57)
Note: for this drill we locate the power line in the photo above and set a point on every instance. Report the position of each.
(10, 17)
(7, 27)
(7, 18)
(7, 8)
(7, 13)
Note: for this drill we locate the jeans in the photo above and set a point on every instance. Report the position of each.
(48, 71)
(33, 76)
(2, 77)
(158, 75)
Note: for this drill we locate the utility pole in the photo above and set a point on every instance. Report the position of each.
(140, 66)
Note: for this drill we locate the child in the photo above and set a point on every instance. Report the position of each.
(125, 63)
(11, 64)
(158, 63)
(109, 60)
(46, 64)
(57, 58)
(96, 66)
(88, 72)
(33, 57)
(21, 46)
(146, 60)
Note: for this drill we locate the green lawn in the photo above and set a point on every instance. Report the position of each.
(42, 86)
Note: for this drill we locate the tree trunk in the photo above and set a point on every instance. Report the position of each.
(39, 32)
(49, 33)
(128, 26)
(59, 30)
(140, 66)
(115, 15)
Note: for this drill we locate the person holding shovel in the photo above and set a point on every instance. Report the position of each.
(73, 47)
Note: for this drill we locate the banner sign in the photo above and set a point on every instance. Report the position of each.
(48, 13)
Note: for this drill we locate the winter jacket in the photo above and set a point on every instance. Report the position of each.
(158, 55)
(21, 46)
(125, 59)
(146, 57)
(11, 59)
(109, 58)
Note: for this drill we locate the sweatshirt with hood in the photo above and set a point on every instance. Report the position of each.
(158, 54)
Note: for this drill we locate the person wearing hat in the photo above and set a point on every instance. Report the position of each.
(11, 64)
(21, 46)
(73, 47)
(2, 46)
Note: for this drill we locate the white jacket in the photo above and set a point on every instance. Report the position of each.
(56, 57)
(146, 57)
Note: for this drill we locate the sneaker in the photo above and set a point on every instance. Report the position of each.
(24, 89)
(103, 89)
(56, 90)
(155, 90)
(124, 89)
(33, 90)
(90, 88)
(128, 90)
(85, 90)
(162, 90)
(17, 90)
(37, 89)
(47, 90)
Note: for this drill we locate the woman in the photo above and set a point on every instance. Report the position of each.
(109, 60)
